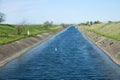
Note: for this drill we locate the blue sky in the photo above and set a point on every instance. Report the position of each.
(59, 11)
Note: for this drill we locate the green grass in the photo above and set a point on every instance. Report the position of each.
(111, 30)
(10, 30)
(6, 29)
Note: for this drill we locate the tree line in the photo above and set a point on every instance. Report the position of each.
(19, 28)
(89, 23)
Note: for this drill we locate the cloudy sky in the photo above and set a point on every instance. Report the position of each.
(59, 11)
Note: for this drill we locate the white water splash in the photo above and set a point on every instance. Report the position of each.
(55, 49)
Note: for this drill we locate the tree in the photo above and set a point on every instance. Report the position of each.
(63, 25)
(97, 22)
(47, 24)
(91, 23)
(88, 23)
(109, 21)
(2, 17)
(20, 28)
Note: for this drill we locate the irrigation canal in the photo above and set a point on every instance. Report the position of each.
(69, 55)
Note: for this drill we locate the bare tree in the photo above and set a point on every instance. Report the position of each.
(47, 24)
(2, 17)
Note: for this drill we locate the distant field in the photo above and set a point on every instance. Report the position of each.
(8, 33)
(111, 30)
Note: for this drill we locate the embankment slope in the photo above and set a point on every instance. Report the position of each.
(110, 46)
(17, 48)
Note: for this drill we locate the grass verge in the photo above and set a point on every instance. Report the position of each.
(9, 33)
(111, 30)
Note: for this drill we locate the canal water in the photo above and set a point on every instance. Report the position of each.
(68, 55)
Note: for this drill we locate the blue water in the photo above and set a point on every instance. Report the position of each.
(68, 55)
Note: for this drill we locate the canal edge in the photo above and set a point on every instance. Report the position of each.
(107, 45)
(15, 49)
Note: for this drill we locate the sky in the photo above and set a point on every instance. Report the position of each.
(59, 11)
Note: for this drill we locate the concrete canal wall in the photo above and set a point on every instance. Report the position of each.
(110, 46)
(15, 49)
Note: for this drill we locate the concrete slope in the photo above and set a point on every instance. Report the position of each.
(110, 46)
(15, 49)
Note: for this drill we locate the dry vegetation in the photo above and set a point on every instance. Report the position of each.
(111, 30)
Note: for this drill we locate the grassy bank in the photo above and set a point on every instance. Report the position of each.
(10, 33)
(111, 30)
